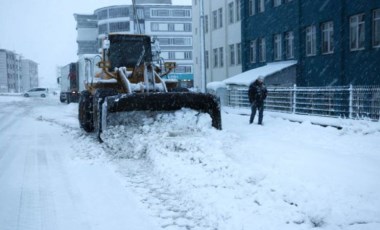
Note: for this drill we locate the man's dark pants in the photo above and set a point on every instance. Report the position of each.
(254, 107)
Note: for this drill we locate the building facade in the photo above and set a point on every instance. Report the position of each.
(87, 31)
(29, 73)
(16, 73)
(170, 24)
(333, 42)
(222, 40)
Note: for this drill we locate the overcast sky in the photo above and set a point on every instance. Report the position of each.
(44, 30)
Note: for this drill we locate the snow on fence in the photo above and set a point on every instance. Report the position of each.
(338, 101)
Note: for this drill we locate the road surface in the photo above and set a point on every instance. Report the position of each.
(44, 186)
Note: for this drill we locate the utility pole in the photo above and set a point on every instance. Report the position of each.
(202, 48)
(136, 17)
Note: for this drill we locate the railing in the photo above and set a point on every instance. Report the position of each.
(349, 102)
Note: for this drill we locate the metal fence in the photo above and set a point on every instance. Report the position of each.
(349, 102)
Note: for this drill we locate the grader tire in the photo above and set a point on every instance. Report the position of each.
(85, 112)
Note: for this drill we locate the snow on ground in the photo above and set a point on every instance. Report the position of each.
(187, 175)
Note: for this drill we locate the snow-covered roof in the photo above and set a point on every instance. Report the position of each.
(247, 77)
(216, 85)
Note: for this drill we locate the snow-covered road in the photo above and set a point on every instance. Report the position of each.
(43, 187)
(176, 172)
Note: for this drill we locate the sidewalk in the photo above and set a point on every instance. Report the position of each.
(364, 125)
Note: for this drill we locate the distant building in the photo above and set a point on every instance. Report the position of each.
(29, 74)
(333, 42)
(223, 48)
(170, 24)
(13, 78)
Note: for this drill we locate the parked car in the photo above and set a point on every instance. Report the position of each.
(37, 92)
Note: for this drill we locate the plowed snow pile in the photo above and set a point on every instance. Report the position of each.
(184, 162)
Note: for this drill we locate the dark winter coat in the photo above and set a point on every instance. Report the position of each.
(257, 92)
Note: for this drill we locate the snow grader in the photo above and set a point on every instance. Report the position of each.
(129, 80)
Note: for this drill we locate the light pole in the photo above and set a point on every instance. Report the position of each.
(202, 48)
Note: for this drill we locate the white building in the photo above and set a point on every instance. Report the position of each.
(29, 73)
(170, 24)
(222, 36)
(16, 74)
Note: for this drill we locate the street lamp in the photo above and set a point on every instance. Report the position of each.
(202, 48)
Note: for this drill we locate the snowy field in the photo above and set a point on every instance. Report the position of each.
(176, 172)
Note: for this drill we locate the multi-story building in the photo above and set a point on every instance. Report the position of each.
(333, 42)
(29, 73)
(222, 40)
(16, 74)
(87, 31)
(9, 71)
(170, 24)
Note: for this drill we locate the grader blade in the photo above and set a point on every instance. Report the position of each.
(204, 103)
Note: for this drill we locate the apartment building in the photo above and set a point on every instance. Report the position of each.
(222, 40)
(333, 42)
(29, 73)
(170, 25)
(16, 73)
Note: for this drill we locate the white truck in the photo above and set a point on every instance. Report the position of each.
(69, 82)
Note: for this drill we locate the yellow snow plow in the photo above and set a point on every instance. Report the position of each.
(129, 80)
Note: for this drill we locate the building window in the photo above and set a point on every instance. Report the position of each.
(164, 13)
(220, 17)
(177, 27)
(188, 55)
(159, 13)
(237, 5)
(184, 41)
(187, 27)
(119, 12)
(276, 3)
(215, 55)
(102, 14)
(261, 6)
(232, 54)
(181, 13)
(140, 14)
(231, 10)
(167, 27)
(252, 53)
(215, 19)
(119, 26)
(327, 37)
(103, 29)
(376, 28)
(206, 24)
(183, 69)
(238, 51)
(277, 49)
(171, 55)
(311, 38)
(206, 59)
(221, 57)
(262, 50)
(357, 33)
(251, 7)
(289, 45)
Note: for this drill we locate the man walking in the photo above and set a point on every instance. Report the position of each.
(257, 93)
